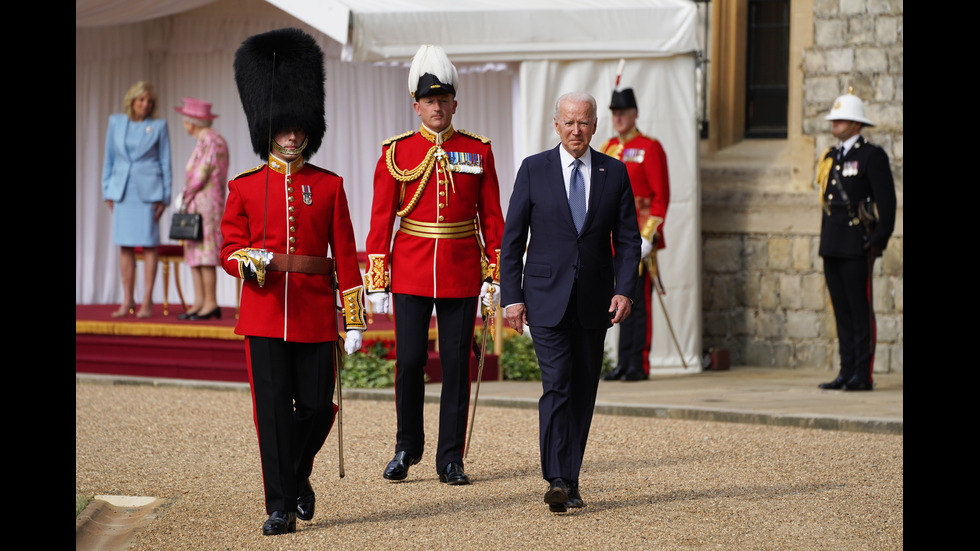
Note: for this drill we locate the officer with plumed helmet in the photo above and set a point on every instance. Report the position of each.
(440, 184)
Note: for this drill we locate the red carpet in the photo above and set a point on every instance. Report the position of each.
(165, 347)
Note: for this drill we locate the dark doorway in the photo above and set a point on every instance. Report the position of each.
(767, 69)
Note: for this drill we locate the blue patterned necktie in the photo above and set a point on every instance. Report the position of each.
(576, 195)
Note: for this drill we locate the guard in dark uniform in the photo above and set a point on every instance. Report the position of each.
(646, 163)
(440, 184)
(855, 182)
(281, 221)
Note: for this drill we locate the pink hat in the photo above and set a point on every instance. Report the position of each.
(196, 109)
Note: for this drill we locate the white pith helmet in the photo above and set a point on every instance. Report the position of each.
(848, 108)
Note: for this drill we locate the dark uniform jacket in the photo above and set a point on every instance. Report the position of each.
(862, 175)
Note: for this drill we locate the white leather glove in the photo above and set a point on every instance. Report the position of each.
(489, 299)
(646, 247)
(379, 302)
(352, 343)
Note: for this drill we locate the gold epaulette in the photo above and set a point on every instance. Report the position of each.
(393, 139)
(247, 172)
(474, 135)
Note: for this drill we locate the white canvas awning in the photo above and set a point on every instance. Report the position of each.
(502, 30)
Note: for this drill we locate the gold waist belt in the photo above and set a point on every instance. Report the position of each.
(439, 230)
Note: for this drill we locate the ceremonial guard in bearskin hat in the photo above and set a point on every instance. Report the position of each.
(440, 185)
(646, 163)
(282, 221)
(857, 193)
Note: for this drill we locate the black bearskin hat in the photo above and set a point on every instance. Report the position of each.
(294, 93)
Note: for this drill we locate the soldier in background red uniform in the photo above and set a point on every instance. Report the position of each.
(440, 183)
(281, 221)
(646, 163)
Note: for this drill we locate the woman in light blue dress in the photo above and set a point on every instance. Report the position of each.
(136, 180)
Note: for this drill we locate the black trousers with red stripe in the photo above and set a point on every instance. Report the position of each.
(292, 396)
(456, 318)
(849, 285)
(635, 333)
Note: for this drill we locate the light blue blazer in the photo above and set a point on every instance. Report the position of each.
(147, 168)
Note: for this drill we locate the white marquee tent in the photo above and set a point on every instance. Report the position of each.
(515, 58)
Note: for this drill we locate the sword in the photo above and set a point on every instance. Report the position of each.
(671, 327)
(487, 328)
(653, 269)
(338, 365)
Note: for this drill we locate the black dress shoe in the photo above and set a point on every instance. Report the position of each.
(453, 475)
(216, 313)
(615, 374)
(186, 315)
(557, 496)
(398, 467)
(280, 522)
(574, 498)
(836, 384)
(306, 502)
(635, 375)
(858, 384)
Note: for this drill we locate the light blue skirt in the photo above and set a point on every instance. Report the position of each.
(133, 224)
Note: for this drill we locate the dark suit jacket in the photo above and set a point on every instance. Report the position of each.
(147, 168)
(556, 251)
(865, 174)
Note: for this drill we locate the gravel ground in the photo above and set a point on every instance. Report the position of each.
(647, 483)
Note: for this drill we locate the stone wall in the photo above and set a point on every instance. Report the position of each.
(763, 291)
(765, 301)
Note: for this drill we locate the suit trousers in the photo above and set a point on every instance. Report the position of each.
(292, 396)
(849, 285)
(570, 357)
(456, 318)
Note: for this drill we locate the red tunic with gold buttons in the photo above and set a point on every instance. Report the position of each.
(306, 213)
(646, 163)
(446, 198)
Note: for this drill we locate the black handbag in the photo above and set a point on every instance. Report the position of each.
(186, 226)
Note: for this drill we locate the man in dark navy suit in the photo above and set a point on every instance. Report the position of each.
(577, 205)
(855, 179)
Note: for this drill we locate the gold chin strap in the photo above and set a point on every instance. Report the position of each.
(290, 151)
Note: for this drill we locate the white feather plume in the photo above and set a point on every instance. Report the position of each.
(431, 59)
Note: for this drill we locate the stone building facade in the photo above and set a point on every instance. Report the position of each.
(763, 291)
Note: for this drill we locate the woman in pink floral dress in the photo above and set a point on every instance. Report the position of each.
(204, 193)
